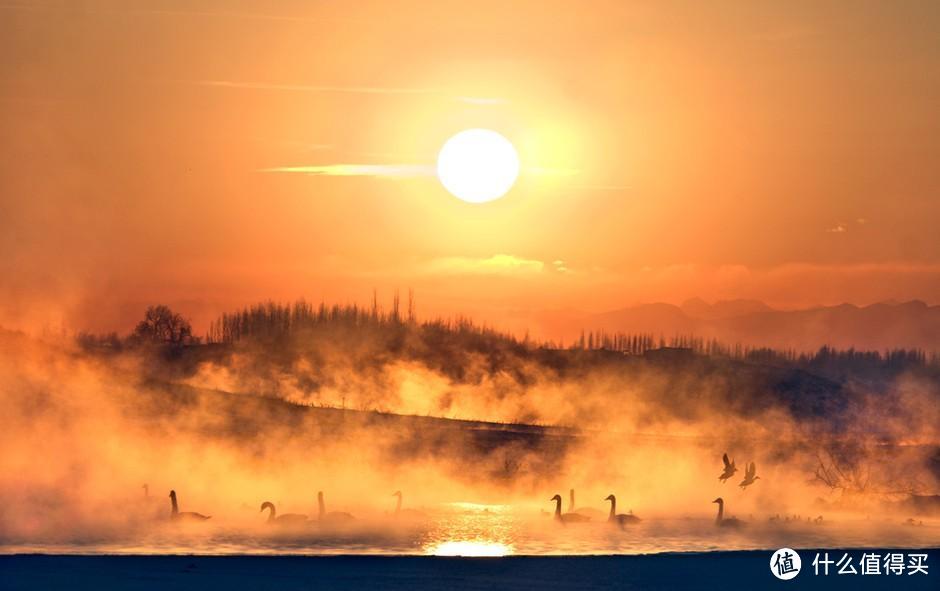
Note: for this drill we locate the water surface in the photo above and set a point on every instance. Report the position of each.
(465, 529)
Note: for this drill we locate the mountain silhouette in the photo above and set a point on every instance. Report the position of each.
(883, 325)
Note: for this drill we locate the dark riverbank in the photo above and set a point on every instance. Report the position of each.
(716, 570)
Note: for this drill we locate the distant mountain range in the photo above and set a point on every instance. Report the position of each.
(891, 324)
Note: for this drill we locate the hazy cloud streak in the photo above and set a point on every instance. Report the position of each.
(317, 88)
(499, 264)
(373, 170)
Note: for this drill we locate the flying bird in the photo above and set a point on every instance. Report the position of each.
(750, 472)
(730, 468)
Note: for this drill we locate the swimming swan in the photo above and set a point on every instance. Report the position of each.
(185, 515)
(620, 519)
(721, 521)
(406, 513)
(285, 519)
(586, 511)
(567, 517)
(332, 516)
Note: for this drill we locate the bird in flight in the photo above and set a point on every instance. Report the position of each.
(730, 468)
(750, 476)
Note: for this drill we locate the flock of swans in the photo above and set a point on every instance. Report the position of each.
(585, 514)
(323, 516)
(572, 516)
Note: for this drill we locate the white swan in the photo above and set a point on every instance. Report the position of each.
(332, 516)
(148, 507)
(586, 511)
(176, 515)
(721, 520)
(406, 513)
(285, 519)
(620, 519)
(567, 517)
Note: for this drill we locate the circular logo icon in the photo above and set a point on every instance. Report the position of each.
(785, 563)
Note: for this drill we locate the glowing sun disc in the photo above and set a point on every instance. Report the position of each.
(478, 165)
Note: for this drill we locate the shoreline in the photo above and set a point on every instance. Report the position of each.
(849, 549)
(673, 570)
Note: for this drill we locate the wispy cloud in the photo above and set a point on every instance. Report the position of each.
(601, 187)
(209, 14)
(500, 264)
(482, 100)
(339, 89)
(546, 171)
(786, 33)
(560, 266)
(843, 227)
(372, 170)
(317, 88)
(395, 170)
(239, 15)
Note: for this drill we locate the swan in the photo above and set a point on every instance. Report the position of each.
(406, 513)
(749, 475)
(567, 517)
(620, 519)
(730, 468)
(286, 519)
(148, 507)
(185, 515)
(332, 516)
(586, 511)
(721, 521)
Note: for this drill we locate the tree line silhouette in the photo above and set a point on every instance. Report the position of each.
(825, 358)
(272, 321)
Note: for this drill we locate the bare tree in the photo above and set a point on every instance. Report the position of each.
(858, 468)
(163, 326)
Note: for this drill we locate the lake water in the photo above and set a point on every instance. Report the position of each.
(465, 529)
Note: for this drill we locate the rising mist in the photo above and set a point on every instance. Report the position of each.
(362, 403)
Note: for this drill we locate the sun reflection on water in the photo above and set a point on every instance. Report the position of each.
(470, 548)
(475, 530)
(471, 529)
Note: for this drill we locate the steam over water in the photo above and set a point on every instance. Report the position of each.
(80, 435)
(464, 529)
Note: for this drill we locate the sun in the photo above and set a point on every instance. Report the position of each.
(478, 165)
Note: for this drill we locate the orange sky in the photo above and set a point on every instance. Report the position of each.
(783, 152)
